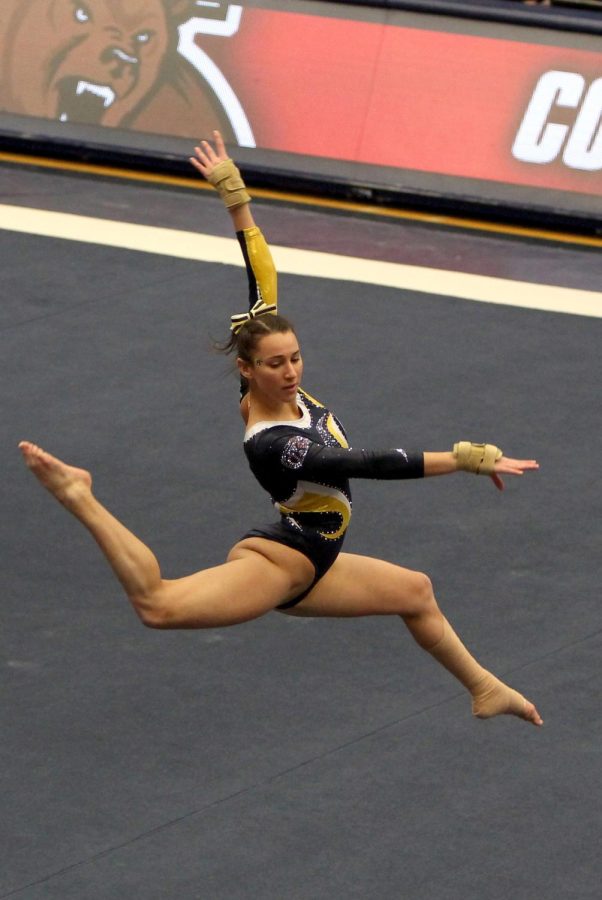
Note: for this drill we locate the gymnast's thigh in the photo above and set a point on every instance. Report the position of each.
(363, 586)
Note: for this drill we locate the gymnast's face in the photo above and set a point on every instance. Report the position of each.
(276, 367)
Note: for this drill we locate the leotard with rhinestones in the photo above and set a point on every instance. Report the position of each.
(305, 464)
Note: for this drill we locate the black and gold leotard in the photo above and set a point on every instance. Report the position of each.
(305, 465)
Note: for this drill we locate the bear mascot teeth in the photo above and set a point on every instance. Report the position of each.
(105, 62)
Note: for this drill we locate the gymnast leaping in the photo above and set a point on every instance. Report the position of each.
(299, 453)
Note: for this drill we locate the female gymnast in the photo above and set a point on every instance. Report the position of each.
(299, 453)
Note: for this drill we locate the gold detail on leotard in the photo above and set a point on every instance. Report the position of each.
(336, 432)
(316, 498)
(311, 399)
(262, 264)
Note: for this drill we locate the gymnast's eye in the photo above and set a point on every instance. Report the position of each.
(82, 14)
(143, 37)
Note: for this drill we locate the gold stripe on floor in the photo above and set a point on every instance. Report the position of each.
(329, 203)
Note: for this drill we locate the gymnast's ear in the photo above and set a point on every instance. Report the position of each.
(245, 368)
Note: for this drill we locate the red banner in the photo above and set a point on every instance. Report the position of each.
(500, 109)
(412, 99)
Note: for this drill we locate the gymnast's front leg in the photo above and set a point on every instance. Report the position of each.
(252, 582)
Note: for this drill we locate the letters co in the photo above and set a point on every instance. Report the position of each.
(542, 140)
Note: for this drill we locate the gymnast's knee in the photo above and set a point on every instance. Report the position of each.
(420, 598)
(153, 610)
(151, 617)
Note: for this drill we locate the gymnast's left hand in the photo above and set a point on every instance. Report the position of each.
(506, 466)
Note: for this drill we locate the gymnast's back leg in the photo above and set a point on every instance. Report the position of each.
(361, 586)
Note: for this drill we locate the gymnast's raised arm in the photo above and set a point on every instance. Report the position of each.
(221, 172)
(216, 166)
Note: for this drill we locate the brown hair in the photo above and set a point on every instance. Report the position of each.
(244, 342)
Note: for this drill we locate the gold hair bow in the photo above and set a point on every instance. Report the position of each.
(238, 320)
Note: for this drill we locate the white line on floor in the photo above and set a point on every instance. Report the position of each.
(208, 248)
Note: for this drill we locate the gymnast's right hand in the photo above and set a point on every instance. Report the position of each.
(206, 158)
(220, 171)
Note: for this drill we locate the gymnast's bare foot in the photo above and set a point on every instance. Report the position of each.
(493, 698)
(530, 713)
(68, 484)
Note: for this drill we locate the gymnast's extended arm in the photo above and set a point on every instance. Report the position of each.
(309, 459)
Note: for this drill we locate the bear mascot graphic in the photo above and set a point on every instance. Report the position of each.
(130, 64)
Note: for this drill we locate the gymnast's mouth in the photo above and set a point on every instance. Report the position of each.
(83, 101)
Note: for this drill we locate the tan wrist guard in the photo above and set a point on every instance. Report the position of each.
(477, 458)
(227, 181)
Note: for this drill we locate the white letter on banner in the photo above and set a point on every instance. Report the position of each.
(216, 79)
(584, 146)
(537, 140)
(222, 27)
